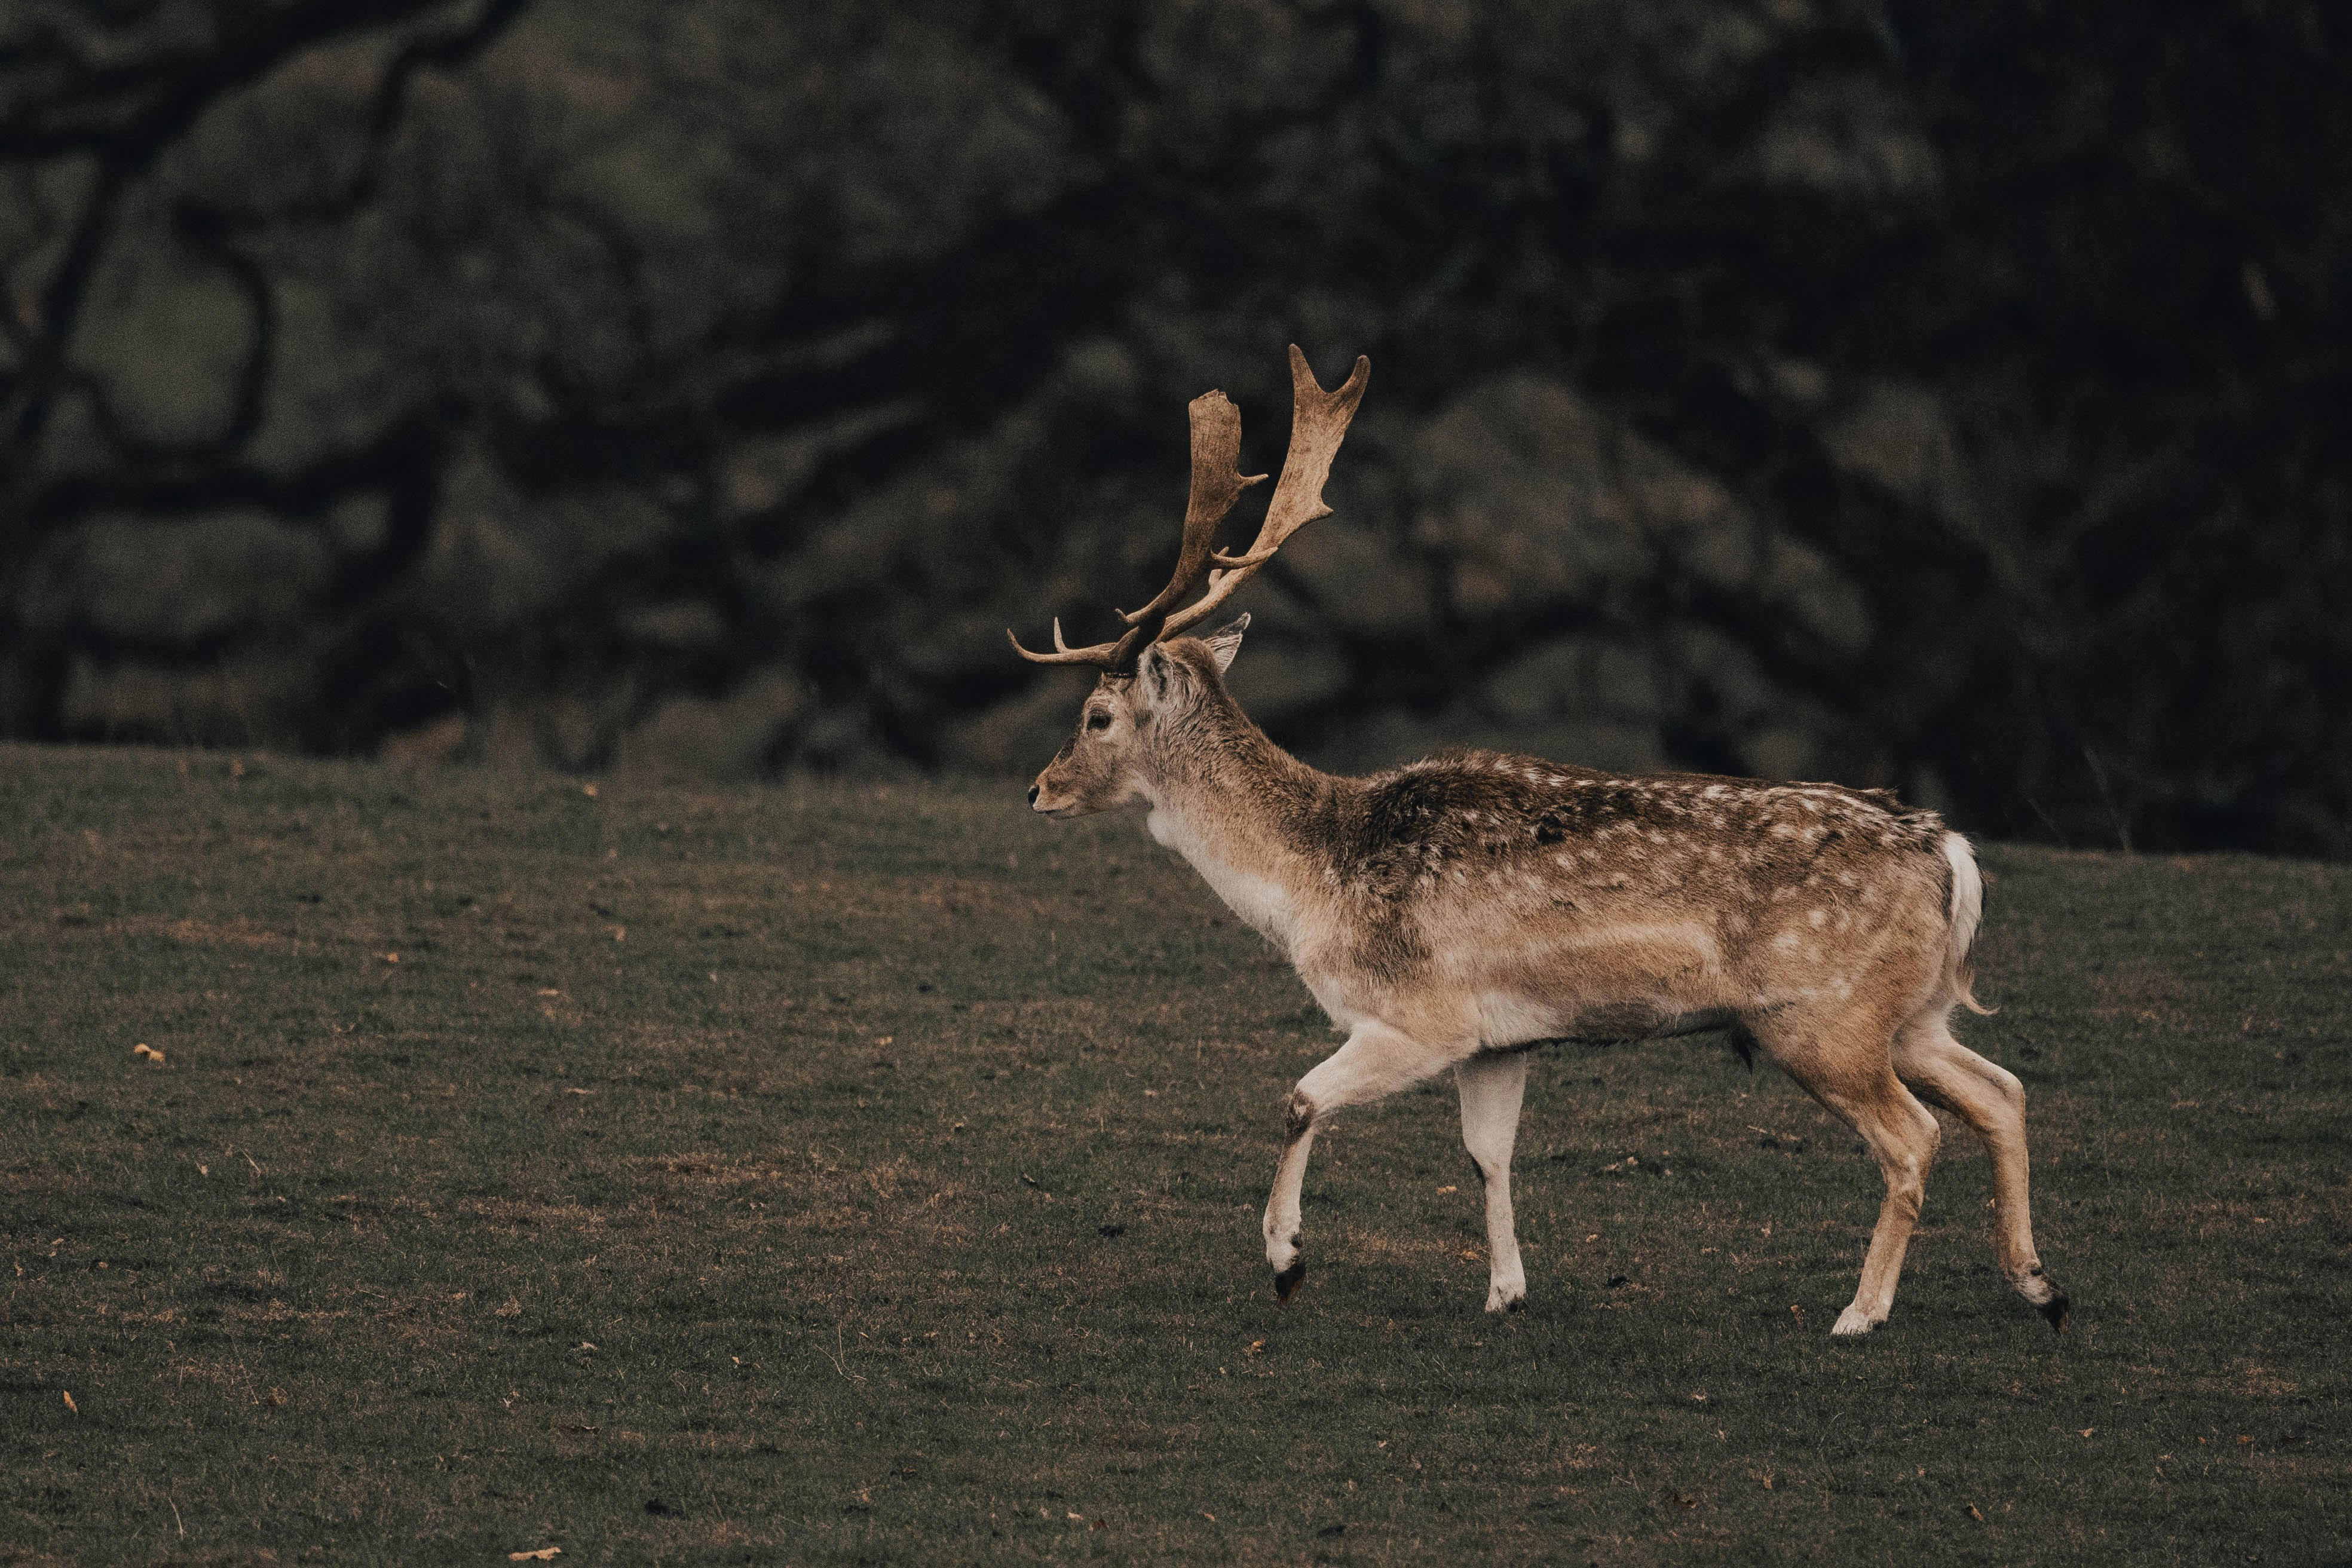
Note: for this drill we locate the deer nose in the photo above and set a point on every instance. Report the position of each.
(1032, 795)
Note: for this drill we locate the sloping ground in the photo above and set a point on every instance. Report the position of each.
(851, 1175)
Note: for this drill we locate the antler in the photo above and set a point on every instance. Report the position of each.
(1216, 485)
(1318, 423)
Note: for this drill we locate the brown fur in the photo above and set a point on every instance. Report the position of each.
(1476, 903)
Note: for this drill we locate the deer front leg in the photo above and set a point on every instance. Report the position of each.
(1375, 1063)
(1492, 1088)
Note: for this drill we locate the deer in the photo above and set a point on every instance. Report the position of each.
(1453, 913)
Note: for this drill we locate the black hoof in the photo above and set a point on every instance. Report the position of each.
(1516, 1304)
(1286, 1284)
(2054, 1311)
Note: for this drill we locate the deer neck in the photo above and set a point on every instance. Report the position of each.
(1235, 806)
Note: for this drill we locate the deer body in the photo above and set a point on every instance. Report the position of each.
(1450, 914)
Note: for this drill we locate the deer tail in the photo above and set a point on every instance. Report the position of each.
(1966, 914)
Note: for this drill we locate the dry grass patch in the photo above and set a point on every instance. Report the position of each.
(931, 1220)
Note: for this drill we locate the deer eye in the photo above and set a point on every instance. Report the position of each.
(1098, 721)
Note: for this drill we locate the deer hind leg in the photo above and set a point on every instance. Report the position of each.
(1375, 1063)
(1845, 1063)
(1492, 1088)
(1992, 1102)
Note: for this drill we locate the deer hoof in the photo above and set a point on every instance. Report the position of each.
(2053, 1310)
(1853, 1322)
(1286, 1284)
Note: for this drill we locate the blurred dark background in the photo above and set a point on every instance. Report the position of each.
(1943, 395)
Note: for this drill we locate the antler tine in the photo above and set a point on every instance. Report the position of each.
(1318, 423)
(1217, 483)
(1115, 654)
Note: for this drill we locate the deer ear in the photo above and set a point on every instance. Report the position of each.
(1226, 641)
(1152, 670)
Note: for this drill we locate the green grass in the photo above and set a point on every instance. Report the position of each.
(848, 1174)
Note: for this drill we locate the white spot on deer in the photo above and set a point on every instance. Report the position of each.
(1817, 917)
(1786, 942)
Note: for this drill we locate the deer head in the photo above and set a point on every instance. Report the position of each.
(1130, 724)
(1154, 672)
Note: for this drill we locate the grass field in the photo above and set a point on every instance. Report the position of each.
(857, 1174)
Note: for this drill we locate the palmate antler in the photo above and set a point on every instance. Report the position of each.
(1318, 423)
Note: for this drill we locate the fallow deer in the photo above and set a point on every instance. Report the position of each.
(1457, 910)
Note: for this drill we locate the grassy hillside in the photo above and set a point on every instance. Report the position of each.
(850, 1174)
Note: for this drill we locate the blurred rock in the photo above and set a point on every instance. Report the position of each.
(1880, 394)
